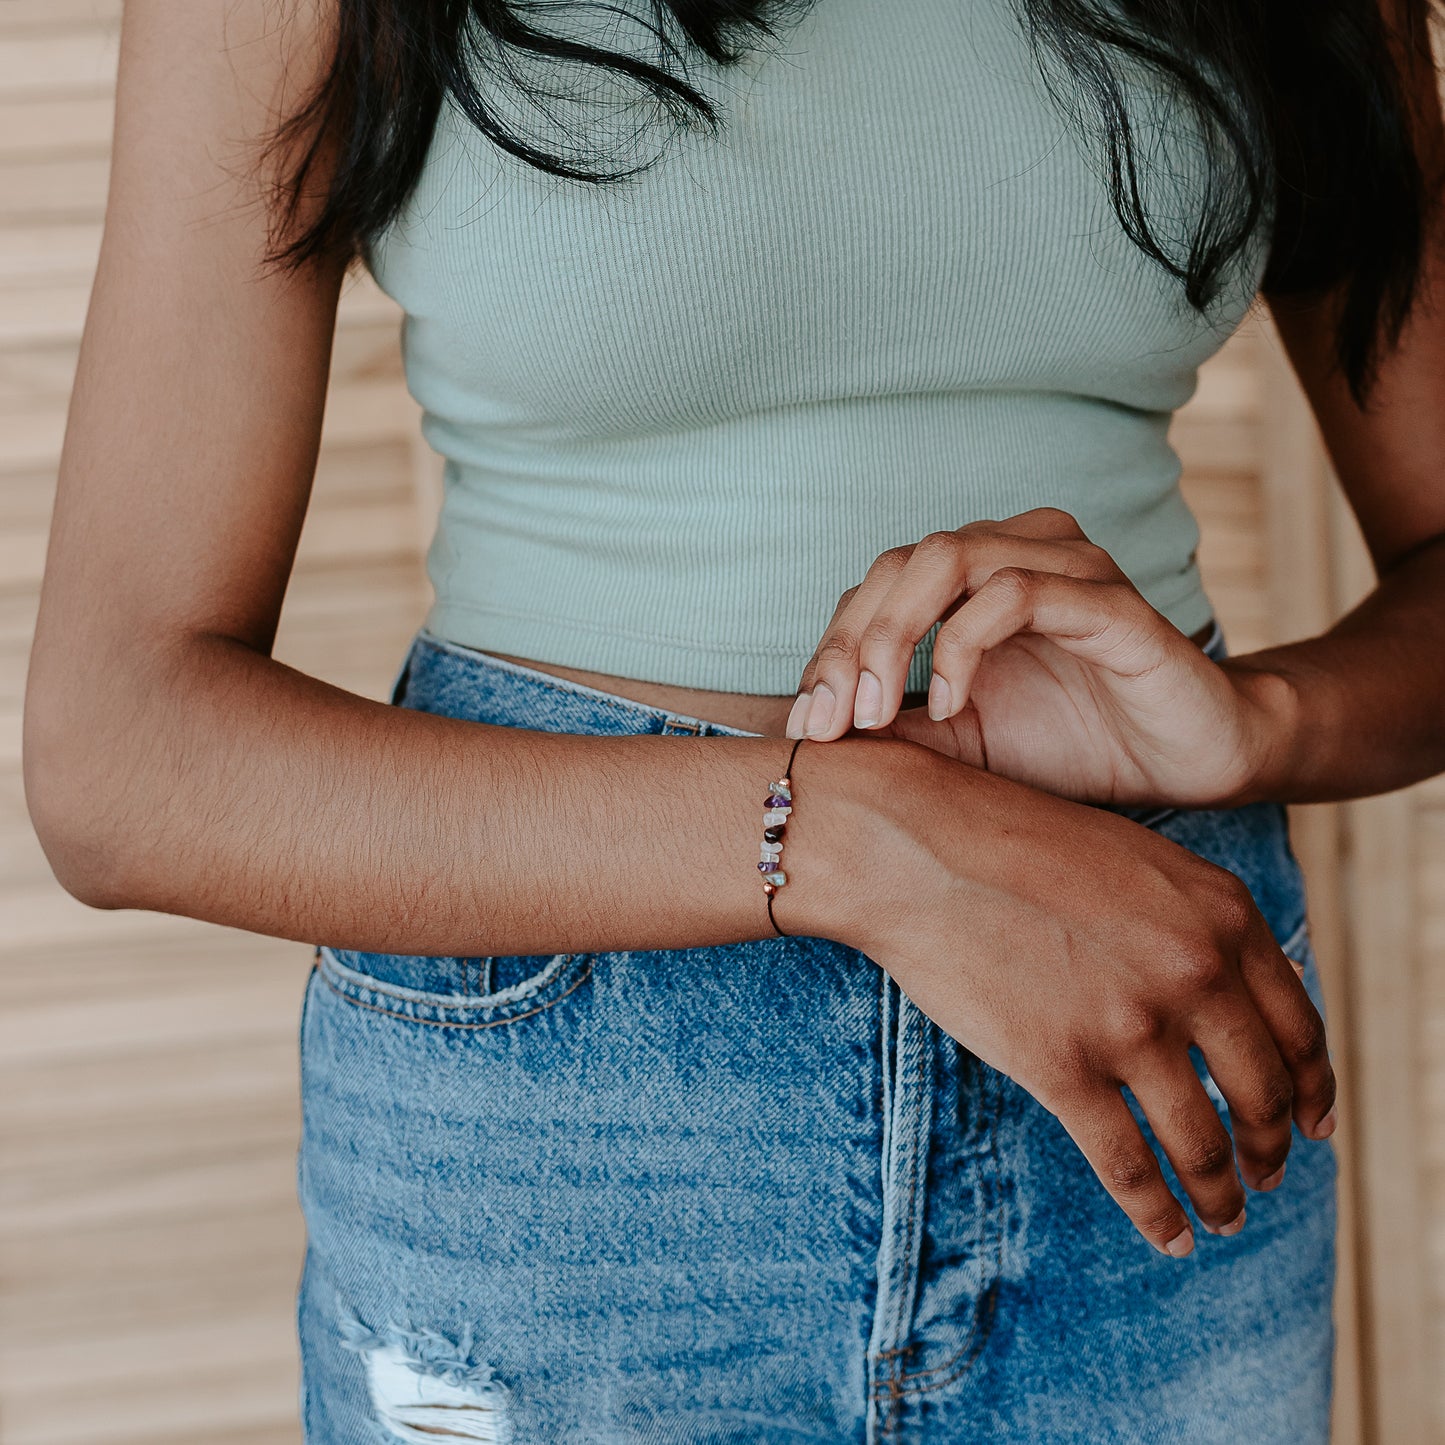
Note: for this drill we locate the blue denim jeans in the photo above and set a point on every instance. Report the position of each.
(750, 1194)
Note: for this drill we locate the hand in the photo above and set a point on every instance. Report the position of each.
(1077, 952)
(1048, 667)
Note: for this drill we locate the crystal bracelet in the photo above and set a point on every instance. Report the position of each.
(777, 808)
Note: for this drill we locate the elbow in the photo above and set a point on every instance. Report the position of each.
(83, 864)
(88, 879)
(88, 872)
(73, 811)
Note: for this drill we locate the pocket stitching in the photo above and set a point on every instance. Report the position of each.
(348, 997)
(516, 993)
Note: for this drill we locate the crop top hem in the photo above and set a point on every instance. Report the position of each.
(753, 668)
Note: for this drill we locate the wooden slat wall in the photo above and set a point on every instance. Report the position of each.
(149, 1235)
(148, 1231)
(1282, 558)
(1253, 474)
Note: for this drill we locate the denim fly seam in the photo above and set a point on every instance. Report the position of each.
(907, 1047)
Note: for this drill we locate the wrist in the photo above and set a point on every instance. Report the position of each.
(847, 836)
(1273, 731)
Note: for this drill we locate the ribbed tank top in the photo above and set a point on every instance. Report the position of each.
(682, 414)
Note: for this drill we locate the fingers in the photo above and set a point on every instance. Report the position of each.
(1248, 1070)
(1278, 992)
(1111, 1140)
(1192, 1134)
(1106, 622)
(857, 675)
(824, 707)
(1042, 522)
(1245, 1006)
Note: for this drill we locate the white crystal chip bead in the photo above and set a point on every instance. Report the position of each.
(771, 850)
(773, 816)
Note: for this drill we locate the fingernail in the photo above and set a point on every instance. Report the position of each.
(1272, 1180)
(820, 713)
(1234, 1225)
(939, 698)
(1181, 1244)
(794, 726)
(1295, 964)
(1326, 1126)
(868, 703)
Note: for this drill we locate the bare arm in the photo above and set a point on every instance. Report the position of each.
(171, 762)
(1365, 709)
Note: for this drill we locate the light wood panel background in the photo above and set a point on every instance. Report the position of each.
(148, 1231)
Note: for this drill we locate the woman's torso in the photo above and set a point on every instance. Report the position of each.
(681, 416)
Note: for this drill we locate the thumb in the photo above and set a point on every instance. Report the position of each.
(959, 737)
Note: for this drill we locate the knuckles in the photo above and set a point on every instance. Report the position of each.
(1198, 965)
(840, 645)
(939, 546)
(1308, 1043)
(881, 634)
(1271, 1104)
(1102, 566)
(1231, 905)
(1131, 1172)
(1017, 582)
(1059, 522)
(1133, 1027)
(1205, 1156)
(894, 559)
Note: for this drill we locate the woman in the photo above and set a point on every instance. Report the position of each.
(608, 1138)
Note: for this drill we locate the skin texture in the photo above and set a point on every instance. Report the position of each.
(171, 763)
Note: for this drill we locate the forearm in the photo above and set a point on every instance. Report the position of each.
(223, 785)
(1361, 709)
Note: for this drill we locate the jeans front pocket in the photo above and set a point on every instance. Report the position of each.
(1299, 948)
(453, 992)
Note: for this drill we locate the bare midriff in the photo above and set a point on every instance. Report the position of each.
(753, 712)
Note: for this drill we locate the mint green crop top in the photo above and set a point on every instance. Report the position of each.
(682, 414)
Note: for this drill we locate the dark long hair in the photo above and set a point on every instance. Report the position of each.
(1308, 110)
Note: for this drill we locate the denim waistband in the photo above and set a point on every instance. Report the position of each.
(442, 676)
(459, 681)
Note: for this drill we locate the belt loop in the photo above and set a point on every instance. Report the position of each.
(678, 723)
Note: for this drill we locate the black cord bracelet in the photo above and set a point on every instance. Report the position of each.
(777, 808)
